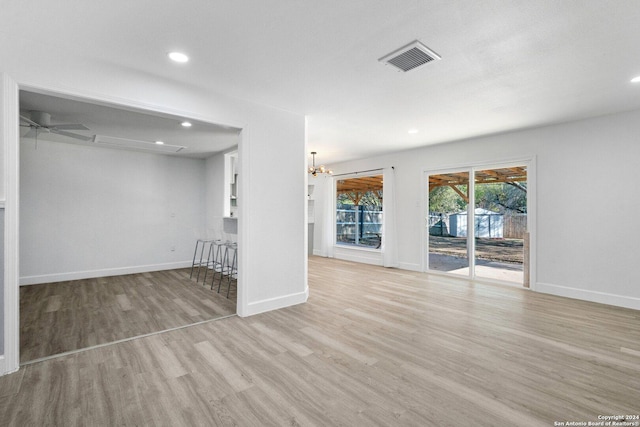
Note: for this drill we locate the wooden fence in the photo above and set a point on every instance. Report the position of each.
(515, 226)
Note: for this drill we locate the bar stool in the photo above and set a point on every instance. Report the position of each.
(229, 265)
(198, 262)
(233, 268)
(214, 259)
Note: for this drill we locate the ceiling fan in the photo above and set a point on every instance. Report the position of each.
(40, 121)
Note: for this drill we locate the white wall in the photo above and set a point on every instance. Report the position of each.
(90, 211)
(320, 184)
(272, 212)
(587, 201)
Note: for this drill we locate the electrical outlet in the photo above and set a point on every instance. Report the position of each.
(172, 249)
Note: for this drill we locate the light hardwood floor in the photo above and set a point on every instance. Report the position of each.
(65, 316)
(372, 346)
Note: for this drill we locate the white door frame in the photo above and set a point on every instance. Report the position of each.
(10, 142)
(10, 196)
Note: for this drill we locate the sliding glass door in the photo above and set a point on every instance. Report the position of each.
(477, 227)
(446, 220)
(500, 223)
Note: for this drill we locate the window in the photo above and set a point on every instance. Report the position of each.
(359, 213)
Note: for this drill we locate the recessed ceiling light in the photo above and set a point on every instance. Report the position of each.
(178, 57)
(159, 142)
(186, 124)
(413, 131)
(635, 80)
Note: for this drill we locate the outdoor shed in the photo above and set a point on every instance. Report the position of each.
(488, 224)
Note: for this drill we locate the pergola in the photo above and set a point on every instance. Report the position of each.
(356, 188)
(512, 176)
(359, 185)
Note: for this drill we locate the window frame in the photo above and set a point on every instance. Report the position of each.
(353, 246)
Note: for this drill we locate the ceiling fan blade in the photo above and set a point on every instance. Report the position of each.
(76, 126)
(32, 133)
(29, 121)
(71, 135)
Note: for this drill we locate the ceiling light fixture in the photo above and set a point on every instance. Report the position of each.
(159, 142)
(186, 124)
(413, 131)
(313, 170)
(178, 57)
(112, 141)
(635, 80)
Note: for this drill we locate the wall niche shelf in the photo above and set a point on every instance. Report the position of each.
(231, 174)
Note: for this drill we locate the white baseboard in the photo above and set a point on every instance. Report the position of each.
(90, 274)
(366, 258)
(3, 367)
(363, 256)
(360, 259)
(410, 266)
(276, 303)
(586, 295)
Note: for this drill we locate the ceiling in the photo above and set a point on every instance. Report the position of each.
(200, 140)
(506, 64)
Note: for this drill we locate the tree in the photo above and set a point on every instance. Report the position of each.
(370, 200)
(504, 197)
(445, 200)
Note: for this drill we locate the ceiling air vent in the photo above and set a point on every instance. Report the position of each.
(411, 56)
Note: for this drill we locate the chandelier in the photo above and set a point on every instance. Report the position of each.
(313, 170)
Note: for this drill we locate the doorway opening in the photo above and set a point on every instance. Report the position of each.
(113, 200)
